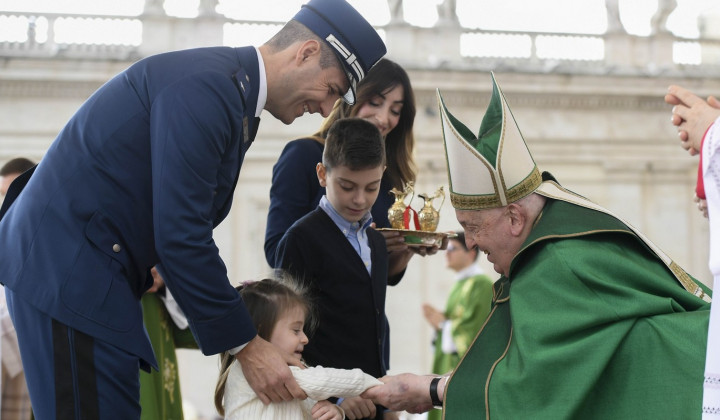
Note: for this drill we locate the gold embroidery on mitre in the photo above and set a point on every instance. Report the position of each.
(527, 186)
(474, 202)
(501, 144)
(479, 202)
(533, 180)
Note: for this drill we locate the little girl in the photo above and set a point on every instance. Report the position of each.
(279, 313)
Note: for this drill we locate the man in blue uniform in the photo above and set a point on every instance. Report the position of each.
(141, 175)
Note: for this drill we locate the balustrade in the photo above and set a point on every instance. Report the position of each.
(92, 37)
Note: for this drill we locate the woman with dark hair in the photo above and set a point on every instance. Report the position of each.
(385, 98)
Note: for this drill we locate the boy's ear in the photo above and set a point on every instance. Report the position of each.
(321, 174)
(307, 50)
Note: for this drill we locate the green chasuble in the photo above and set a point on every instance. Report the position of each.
(160, 391)
(590, 324)
(468, 305)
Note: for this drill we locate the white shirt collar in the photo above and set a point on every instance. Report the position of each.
(469, 271)
(262, 88)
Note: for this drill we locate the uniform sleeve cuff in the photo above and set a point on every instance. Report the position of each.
(235, 350)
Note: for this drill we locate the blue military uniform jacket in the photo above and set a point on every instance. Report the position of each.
(142, 173)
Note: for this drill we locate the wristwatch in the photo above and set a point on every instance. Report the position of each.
(434, 392)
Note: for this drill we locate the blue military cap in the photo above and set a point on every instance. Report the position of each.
(354, 41)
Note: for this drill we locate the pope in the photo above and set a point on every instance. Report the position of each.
(589, 319)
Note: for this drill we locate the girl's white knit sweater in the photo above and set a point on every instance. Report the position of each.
(319, 383)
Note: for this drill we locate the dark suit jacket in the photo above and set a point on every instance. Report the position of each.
(142, 173)
(350, 301)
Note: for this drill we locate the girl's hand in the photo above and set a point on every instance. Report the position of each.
(358, 408)
(325, 410)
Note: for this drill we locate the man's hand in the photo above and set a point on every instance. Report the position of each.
(158, 281)
(692, 116)
(403, 392)
(358, 408)
(267, 372)
(394, 241)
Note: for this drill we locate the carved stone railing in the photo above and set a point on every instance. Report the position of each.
(457, 48)
(445, 46)
(41, 41)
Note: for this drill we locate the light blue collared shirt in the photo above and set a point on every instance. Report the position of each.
(355, 232)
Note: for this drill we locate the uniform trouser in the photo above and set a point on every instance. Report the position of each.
(71, 375)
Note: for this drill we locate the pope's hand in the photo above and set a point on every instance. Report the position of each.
(406, 392)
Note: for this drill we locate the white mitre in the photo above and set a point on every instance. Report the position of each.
(493, 169)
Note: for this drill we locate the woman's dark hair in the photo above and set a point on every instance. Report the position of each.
(266, 301)
(399, 143)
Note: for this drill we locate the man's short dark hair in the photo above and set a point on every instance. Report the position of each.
(354, 143)
(16, 166)
(294, 31)
(461, 239)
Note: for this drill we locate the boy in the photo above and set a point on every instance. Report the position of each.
(342, 261)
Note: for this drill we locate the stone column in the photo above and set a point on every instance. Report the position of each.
(397, 12)
(709, 25)
(163, 33)
(435, 47)
(447, 13)
(613, 17)
(207, 8)
(658, 22)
